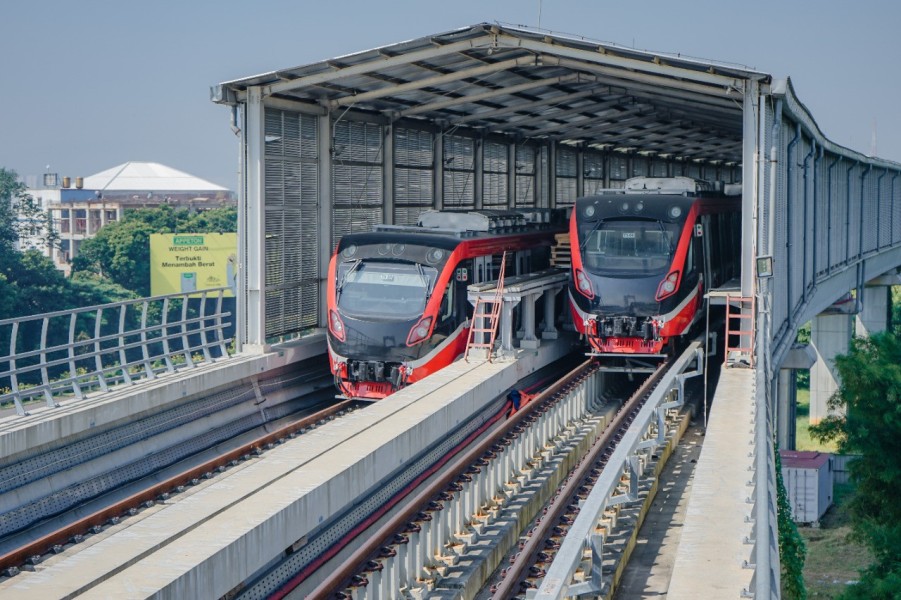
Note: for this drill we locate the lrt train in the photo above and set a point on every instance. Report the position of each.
(397, 299)
(643, 258)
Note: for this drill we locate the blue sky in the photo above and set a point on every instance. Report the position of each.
(90, 84)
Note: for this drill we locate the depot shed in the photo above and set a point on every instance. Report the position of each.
(808, 478)
(487, 116)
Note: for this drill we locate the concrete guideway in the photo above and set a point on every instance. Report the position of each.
(206, 544)
(713, 557)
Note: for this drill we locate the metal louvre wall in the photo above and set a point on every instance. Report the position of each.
(658, 168)
(855, 191)
(870, 203)
(524, 194)
(639, 167)
(593, 172)
(883, 190)
(357, 171)
(838, 206)
(895, 202)
(414, 174)
(459, 172)
(779, 299)
(832, 219)
(567, 176)
(291, 188)
(822, 212)
(618, 168)
(494, 177)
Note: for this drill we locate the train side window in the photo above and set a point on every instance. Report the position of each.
(690, 258)
(447, 302)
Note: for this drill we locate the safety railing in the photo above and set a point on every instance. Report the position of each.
(68, 354)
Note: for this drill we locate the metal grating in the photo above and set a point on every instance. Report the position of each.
(618, 167)
(566, 176)
(524, 194)
(494, 177)
(291, 187)
(414, 176)
(459, 172)
(639, 166)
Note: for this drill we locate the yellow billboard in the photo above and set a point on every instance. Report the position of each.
(191, 262)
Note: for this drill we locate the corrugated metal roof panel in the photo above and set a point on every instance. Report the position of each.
(511, 80)
(800, 459)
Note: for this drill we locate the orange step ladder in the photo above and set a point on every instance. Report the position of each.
(485, 316)
(740, 322)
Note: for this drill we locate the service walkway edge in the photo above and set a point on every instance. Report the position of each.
(715, 556)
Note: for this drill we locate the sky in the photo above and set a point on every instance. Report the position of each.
(87, 85)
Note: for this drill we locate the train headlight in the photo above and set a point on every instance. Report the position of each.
(668, 286)
(420, 331)
(583, 284)
(336, 325)
(589, 210)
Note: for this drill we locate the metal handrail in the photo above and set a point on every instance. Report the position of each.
(110, 343)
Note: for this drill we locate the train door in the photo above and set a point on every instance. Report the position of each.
(481, 269)
(464, 274)
(709, 276)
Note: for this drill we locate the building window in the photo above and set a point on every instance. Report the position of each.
(81, 220)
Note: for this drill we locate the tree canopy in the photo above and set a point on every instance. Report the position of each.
(870, 398)
(29, 282)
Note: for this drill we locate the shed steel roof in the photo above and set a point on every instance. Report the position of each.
(530, 85)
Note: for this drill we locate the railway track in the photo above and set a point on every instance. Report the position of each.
(529, 471)
(438, 528)
(167, 489)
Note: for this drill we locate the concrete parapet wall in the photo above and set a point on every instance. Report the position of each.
(48, 428)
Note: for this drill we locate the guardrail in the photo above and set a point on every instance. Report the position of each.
(646, 433)
(69, 353)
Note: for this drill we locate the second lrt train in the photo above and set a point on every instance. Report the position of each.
(643, 258)
(397, 301)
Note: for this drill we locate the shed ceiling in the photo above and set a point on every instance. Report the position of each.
(529, 85)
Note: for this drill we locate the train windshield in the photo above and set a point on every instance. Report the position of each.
(628, 247)
(384, 289)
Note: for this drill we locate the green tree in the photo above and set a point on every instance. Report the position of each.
(29, 282)
(21, 216)
(870, 395)
(120, 251)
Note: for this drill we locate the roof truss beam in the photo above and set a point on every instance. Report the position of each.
(527, 106)
(424, 108)
(386, 62)
(657, 67)
(435, 81)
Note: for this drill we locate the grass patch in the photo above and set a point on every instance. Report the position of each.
(803, 440)
(833, 559)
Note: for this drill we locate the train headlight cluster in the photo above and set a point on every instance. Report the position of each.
(420, 331)
(336, 325)
(583, 284)
(668, 286)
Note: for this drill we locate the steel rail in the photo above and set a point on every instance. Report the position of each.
(343, 574)
(516, 573)
(53, 541)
